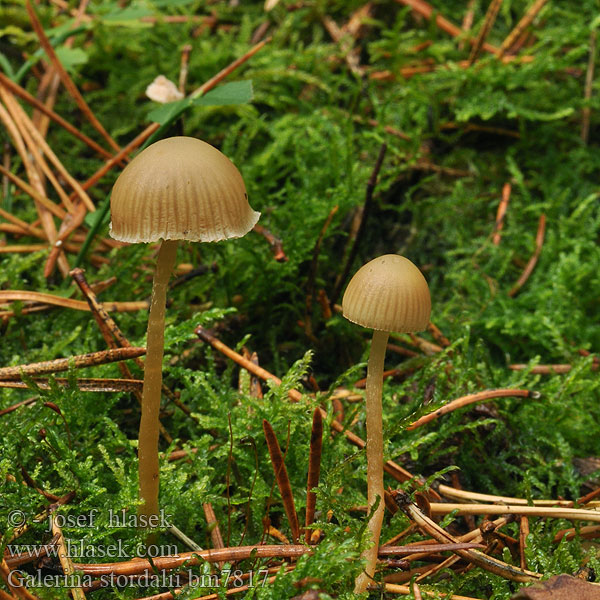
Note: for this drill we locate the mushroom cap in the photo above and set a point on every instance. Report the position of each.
(180, 188)
(388, 293)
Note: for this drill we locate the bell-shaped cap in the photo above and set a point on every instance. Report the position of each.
(180, 188)
(388, 293)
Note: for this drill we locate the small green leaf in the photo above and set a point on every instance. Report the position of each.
(128, 17)
(169, 112)
(236, 92)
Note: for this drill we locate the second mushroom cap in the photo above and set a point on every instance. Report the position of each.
(389, 293)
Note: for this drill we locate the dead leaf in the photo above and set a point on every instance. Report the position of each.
(560, 587)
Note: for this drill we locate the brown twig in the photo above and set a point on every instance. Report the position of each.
(40, 106)
(528, 270)
(274, 242)
(7, 296)
(575, 514)
(438, 335)
(588, 532)
(424, 345)
(523, 533)
(56, 210)
(26, 130)
(467, 21)
(468, 496)
(64, 76)
(314, 468)
(139, 566)
(69, 225)
(520, 27)
(105, 322)
(213, 527)
(40, 142)
(427, 11)
(362, 220)
(79, 361)
(466, 127)
(346, 43)
(15, 583)
(488, 23)
(416, 591)
(26, 227)
(283, 481)
(546, 369)
(470, 399)
(65, 560)
(405, 590)
(589, 497)
(14, 407)
(429, 67)
(502, 207)
(183, 66)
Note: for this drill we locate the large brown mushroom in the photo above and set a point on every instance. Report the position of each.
(387, 294)
(179, 188)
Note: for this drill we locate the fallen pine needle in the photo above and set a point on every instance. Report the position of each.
(547, 369)
(405, 590)
(7, 296)
(456, 494)
(578, 514)
(470, 399)
(502, 207)
(528, 270)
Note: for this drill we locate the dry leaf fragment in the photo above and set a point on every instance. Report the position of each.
(560, 587)
(163, 90)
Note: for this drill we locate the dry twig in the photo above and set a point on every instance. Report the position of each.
(488, 23)
(78, 362)
(520, 27)
(502, 207)
(64, 76)
(470, 399)
(539, 241)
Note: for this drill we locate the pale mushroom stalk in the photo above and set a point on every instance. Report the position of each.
(151, 394)
(387, 294)
(375, 489)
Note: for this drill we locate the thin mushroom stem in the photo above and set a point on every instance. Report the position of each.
(375, 489)
(149, 423)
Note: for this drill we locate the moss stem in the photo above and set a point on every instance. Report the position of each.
(148, 437)
(375, 489)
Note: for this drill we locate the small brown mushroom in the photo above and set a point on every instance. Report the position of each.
(179, 188)
(387, 294)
